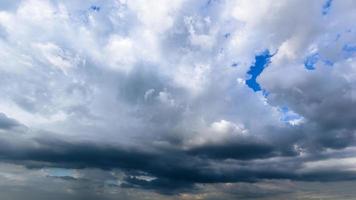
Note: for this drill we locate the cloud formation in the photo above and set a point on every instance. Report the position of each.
(176, 99)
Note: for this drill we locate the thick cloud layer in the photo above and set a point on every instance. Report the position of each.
(178, 99)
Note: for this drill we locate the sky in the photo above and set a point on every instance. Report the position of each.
(177, 99)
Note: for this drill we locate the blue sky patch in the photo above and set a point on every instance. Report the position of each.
(349, 48)
(328, 62)
(60, 172)
(227, 35)
(311, 60)
(265, 93)
(326, 7)
(95, 8)
(289, 116)
(261, 62)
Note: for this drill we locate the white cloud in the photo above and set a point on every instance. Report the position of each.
(172, 73)
(218, 132)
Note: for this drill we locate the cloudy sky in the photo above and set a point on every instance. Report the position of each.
(177, 99)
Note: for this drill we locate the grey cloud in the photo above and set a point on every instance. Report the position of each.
(328, 109)
(7, 123)
(141, 98)
(172, 170)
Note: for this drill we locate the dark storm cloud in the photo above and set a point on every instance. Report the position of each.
(166, 165)
(71, 155)
(172, 170)
(142, 97)
(242, 151)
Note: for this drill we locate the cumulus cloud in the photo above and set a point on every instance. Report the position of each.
(176, 99)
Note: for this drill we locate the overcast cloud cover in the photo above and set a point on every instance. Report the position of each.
(177, 99)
